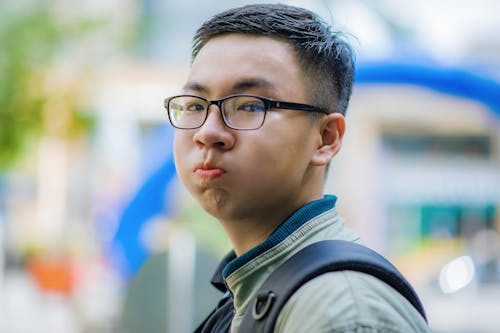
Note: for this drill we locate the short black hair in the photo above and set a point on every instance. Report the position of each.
(325, 57)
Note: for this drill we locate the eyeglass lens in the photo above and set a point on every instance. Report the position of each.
(239, 112)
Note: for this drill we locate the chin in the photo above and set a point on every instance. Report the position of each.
(214, 201)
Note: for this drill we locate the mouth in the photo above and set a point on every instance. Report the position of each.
(208, 172)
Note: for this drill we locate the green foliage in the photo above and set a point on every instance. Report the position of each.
(31, 35)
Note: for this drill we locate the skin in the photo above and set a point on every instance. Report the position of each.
(252, 180)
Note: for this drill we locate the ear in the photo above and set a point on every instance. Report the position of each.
(332, 128)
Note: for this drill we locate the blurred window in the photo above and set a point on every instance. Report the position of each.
(456, 145)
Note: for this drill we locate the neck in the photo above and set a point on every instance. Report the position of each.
(245, 234)
(248, 232)
(252, 225)
(284, 230)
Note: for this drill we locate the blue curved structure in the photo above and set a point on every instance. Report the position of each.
(451, 81)
(127, 252)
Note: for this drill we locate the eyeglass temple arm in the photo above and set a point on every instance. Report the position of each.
(297, 106)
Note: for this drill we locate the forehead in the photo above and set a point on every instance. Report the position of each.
(238, 63)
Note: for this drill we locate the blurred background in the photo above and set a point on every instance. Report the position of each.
(96, 233)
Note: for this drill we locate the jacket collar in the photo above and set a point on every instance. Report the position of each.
(231, 262)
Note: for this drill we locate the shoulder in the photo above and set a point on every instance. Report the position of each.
(348, 301)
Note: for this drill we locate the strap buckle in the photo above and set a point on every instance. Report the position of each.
(262, 304)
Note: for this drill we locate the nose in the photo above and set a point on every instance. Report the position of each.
(214, 133)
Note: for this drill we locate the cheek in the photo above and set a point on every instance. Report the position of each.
(180, 155)
(177, 150)
(278, 160)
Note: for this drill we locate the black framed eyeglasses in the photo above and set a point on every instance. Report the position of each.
(241, 112)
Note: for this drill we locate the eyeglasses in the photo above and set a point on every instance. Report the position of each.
(240, 112)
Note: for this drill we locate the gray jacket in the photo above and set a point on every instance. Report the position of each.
(334, 302)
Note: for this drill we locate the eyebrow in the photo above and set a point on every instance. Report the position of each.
(240, 86)
(193, 86)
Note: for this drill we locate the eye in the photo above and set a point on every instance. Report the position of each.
(251, 106)
(194, 106)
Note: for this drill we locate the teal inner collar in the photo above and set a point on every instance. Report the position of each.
(292, 223)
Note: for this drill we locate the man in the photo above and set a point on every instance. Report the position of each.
(260, 118)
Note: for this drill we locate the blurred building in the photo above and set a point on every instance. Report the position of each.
(419, 177)
(427, 158)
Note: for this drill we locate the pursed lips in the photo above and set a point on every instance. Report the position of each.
(208, 172)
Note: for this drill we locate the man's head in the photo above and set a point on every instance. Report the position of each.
(245, 172)
(325, 58)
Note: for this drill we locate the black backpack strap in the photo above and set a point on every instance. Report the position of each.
(310, 262)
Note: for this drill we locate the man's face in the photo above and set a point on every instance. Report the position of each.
(241, 174)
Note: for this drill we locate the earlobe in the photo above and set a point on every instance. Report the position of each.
(332, 130)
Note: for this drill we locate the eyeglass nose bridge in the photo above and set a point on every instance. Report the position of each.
(218, 103)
